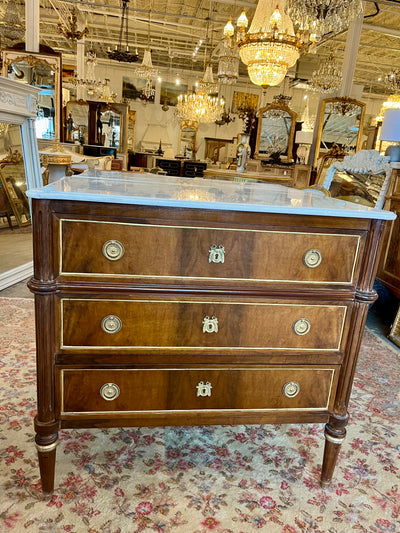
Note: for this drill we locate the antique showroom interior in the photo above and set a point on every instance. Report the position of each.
(200, 263)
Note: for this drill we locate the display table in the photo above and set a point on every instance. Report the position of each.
(173, 301)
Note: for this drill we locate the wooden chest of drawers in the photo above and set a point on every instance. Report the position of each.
(183, 314)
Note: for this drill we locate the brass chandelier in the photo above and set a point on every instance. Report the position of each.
(270, 47)
(200, 107)
(71, 31)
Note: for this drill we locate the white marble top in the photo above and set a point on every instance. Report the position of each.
(168, 191)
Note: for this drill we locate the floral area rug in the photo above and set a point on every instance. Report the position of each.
(221, 479)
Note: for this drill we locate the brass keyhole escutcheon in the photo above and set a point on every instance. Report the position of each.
(109, 391)
(111, 324)
(216, 254)
(113, 250)
(291, 389)
(302, 326)
(312, 258)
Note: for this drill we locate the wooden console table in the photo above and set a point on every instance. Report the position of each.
(180, 302)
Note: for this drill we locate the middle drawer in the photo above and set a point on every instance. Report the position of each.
(116, 324)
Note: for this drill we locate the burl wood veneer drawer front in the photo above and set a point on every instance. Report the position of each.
(168, 252)
(175, 324)
(126, 390)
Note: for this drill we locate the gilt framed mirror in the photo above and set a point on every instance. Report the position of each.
(188, 137)
(130, 141)
(44, 72)
(340, 123)
(362, 178)
(275, 131)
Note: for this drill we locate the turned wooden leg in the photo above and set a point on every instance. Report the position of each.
(335, 433)
(46, 441)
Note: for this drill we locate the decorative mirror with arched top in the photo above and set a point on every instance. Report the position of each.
(275, 132)
(188, 137)
(340, 123)
(44, 72)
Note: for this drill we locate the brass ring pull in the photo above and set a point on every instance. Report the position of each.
(210, 325)
(109, 391)
(216, 254)
(111, 324)
(312, 258)
(113, 250)
(302, 326)
(291, 389)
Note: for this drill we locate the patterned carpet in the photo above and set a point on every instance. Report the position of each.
(220, 479)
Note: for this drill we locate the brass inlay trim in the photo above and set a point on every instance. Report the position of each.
(334, 440)
(147, 276)
(118, 347)
(250, 409)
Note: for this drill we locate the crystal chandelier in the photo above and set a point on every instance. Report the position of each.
(228, 62)
(146, 69)
(319, 17)
(200, 107)
(90, 83)
(328, 77)
(106, 93)
(71, 31)
(345, 106)
(393, 102)
(148, 92)
(118, 54)
(207, 84)
(270, 47)
(392, 81)
(10, 23)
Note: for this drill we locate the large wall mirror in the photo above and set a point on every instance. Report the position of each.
(77, 122)
(340, 123)
(44, 72)
(188, 137)
(275, 132)
(108, 125)
(362, 178)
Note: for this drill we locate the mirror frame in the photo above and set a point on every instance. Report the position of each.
(325, 101)
(190, 124)
(293, 115)
(364, 162)
(67, 111)
(9, 56)
(334, 155)
(131, 123)
(13, 159)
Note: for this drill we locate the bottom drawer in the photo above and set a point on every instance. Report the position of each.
(108, 391)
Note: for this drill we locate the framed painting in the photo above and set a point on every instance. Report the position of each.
(170, 92)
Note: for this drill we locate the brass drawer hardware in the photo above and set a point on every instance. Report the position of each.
(301, 326)
(113, 250)
(216, 254)
(204, 389)
(312, 258)
(111, 324)
(291, 389)
(109, 391)
(210, 325)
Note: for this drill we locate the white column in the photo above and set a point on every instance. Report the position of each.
(80, 68)
(32, 25)
(350, 54)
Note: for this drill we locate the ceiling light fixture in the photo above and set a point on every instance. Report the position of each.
(320, 17)
(118, 54)
(270, 47)
(71, 31)
(228, 62)
(392, 81)
(328, 77)
(146, 69)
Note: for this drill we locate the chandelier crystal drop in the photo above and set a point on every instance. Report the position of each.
(270, 47)
(200, 107)
(328, 77)
(320, 17)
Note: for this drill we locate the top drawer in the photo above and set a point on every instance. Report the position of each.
(207, 253)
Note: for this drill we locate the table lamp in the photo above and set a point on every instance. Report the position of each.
(391, 132)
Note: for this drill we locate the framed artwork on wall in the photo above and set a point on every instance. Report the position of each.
(241, 100)
(170, 92)
(132, 89)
